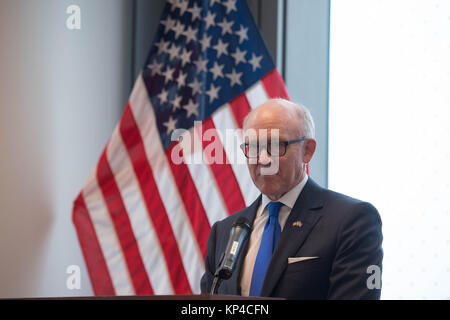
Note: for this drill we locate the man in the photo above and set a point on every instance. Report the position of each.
(306, 242)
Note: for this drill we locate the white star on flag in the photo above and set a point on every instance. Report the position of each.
(216, 70)
(226, 26)
(173, 51)
(239, 56)
(242, 33)
(255, 61)
(231, 5)
(178, 29)
(174, 4)
(191, 108)
(181, 80)
(234, 77)
(185, 56)
(195, 11)
(213, 93)
(206, 41)
(168, 74)
(196, 86)
(155, 67)
(170, 124)
(168, 24)
(176, 102)
(209, 20)
(183, 5)
(190, 34)
(163, 96)
(221, 48)
(163, 46)
(201, 64)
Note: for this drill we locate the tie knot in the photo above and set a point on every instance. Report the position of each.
(274, 208)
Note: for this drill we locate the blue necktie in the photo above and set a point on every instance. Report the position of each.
(271, 234)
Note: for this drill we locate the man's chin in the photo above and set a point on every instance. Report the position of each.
(269, 187)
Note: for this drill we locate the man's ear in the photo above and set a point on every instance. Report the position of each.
(310, 148)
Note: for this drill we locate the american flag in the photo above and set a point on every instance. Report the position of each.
(143, 219)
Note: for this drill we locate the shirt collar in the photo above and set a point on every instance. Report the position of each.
(289, 198)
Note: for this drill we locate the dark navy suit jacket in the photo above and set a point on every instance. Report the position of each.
(344, 233)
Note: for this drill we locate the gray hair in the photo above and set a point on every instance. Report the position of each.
(302, 112)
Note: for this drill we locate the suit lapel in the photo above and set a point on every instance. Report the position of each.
(293, 237)
(249, 213)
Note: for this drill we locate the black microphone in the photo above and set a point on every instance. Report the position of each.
(238, 234)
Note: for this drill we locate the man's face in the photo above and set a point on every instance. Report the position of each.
(273, 118)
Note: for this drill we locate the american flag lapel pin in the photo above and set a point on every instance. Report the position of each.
(297, 224)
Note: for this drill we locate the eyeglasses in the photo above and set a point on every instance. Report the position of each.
(253, 149)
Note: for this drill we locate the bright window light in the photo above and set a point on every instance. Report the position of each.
(389, 135)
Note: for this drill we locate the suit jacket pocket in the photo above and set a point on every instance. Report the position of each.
(299, 259)
(304, 265)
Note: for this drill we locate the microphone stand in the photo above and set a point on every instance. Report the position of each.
(215, 285)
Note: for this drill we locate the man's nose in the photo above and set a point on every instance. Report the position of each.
(264, 157)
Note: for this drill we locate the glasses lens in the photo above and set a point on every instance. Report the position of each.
(276, 149)
(281, 148)
(252, 150)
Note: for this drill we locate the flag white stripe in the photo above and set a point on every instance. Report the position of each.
(144, 232)
(107, 237)
(231, 139)
(202, 177)
(190, 253)
(256, 95)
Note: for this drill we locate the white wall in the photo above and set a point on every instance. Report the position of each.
(390, 132)
(61, 95)
(306, 70)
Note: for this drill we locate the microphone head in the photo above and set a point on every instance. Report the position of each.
(242, 222)
(238, 234)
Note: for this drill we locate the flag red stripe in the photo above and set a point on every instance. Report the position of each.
(191, 199)
(275, 88)
(274, 85)
(135, 147)
(92, 252)
(223, 173)
(240, 108)
(122, 225)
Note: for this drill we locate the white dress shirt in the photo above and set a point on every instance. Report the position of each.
(262, 214)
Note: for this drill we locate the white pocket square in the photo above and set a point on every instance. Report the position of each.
(298, 259)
